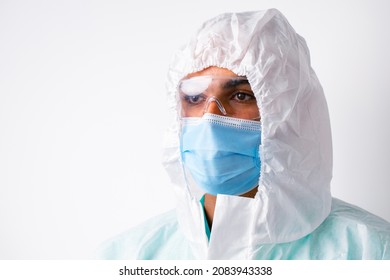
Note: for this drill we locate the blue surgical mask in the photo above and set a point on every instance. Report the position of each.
(222, 153)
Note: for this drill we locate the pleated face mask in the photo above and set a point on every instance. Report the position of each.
(221, 153)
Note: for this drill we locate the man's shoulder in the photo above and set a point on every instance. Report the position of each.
(354, 233)
(352, 215)
(135, 241)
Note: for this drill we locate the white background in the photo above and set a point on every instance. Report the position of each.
(83, 112)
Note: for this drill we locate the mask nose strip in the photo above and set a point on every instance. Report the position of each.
(219, 105)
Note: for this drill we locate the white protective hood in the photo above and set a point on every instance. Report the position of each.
(293, 196)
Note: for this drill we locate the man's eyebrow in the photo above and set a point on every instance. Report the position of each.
(235, 82)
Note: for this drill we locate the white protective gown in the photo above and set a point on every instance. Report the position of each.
(293, 215)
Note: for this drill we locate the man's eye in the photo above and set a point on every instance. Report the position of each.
(242, 96)
(194, 99)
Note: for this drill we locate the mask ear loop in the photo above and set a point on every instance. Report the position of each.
(219, 104)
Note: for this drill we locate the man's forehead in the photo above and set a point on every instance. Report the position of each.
(197, 84)
(213, 71)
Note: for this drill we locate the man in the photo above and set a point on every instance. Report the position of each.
(249, 155)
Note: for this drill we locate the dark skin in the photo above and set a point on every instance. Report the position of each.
(210, 200)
